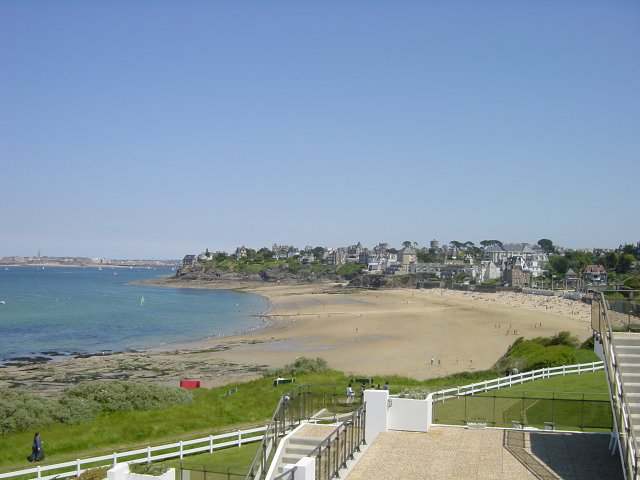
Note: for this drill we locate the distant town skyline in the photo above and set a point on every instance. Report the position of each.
(153, 130)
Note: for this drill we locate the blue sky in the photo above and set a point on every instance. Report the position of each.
(159, 128)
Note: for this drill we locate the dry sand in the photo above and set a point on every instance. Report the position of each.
(372, 333)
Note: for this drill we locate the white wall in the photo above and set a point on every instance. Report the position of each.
(407, 414)
(376, 413)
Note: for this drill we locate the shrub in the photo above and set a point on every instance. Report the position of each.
(98, 473)
(24, 411)
(148, 469)
(418, 393)
(127, 395)
(301, 366)
(75, 410)
(539, 352)
(588, 344)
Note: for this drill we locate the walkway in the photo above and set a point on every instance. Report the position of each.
(487, 454)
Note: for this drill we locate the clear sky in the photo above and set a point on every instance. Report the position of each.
(153, 129)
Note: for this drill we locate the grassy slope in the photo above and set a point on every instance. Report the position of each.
(210, 413)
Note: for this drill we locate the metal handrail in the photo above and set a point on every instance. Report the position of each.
(355, 422)
(626, 436)
(286, 416)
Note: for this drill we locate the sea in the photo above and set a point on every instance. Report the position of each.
(56, 312)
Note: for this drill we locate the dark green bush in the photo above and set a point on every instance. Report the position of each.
(127, 395)
(539, 352)
(301, 366)
(562, 338)
(24, 411)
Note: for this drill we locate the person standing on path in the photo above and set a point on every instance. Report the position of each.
(36, 448)
(350, 394)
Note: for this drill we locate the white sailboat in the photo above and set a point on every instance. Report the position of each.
(142, 301)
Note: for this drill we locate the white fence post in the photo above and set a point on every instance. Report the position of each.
(78, 467)
(115, 458)
(210, 443)
(239, 438)
(38, 471)
(148, 454)
(180, 449)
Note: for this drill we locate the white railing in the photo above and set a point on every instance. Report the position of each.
(516, 379)
(142, 455)
(623, 420)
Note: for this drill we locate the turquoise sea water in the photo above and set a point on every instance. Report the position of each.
(57, 310)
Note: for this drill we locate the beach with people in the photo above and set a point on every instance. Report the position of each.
(411, 332)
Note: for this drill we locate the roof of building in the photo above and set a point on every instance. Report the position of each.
(594, 269)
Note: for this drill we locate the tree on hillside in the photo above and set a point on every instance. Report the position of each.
(426, 255)
(406, 244)
(625, 262)
(578, 260)
(611, 261)
(491, 243)
(457, 244)
(559, 264)
(266, 253)
(546, 245)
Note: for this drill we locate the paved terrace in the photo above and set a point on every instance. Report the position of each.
(487, 454)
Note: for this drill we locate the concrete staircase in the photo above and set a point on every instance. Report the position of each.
(296, 448)
(627, 346)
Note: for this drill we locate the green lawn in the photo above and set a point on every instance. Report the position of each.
(571, 402)
(211, 413)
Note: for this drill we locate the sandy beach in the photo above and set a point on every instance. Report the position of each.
(372, 333)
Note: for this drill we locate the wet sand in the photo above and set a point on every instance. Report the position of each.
(372, 333)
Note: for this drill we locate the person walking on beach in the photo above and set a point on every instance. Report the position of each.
(36, 449)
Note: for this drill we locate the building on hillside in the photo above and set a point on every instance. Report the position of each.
(407, 256)
(595, 275)
(381, 248)
(206, 255)
(241, 252)
(515, 275)
(189, 261)
(337, 257)
(500, 254)
(354, 249)
(488, 271)
(307, 258)
(432, 269)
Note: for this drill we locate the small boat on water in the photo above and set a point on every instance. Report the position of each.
(142, 301)
(2, 302)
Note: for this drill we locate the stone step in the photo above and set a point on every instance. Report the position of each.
(315, 441)
(624, 339)
(292, 459)
(633, 399)
(630, 387)
(629, 369)
(627, 349)
(628, 358)
(303, 450)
